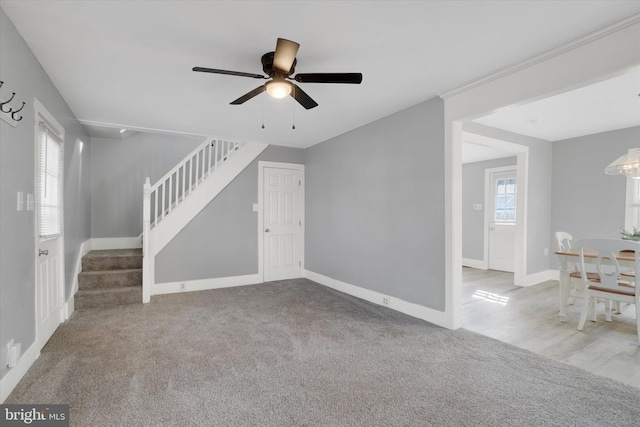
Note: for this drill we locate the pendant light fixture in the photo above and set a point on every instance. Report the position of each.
(627, 165)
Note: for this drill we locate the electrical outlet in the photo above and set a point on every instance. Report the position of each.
(546, 251)
(183, 286)
(385, 300)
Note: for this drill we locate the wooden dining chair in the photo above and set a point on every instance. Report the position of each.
(563, 243)
(610, 286)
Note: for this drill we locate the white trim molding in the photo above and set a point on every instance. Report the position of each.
(414, 310)
(480, 264)
(14, 375)
(536, 278)
(69, 305)
(104, 243)
(567, 47)
(205, 284)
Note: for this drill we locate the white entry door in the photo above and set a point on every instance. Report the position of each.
(49, 225)
(49, 296)
(282, 223)
(502, 221)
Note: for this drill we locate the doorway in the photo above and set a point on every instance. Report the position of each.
(500, 213)
(280, 220)
(49, 230)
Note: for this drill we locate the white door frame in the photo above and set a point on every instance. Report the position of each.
(489, 205)
(262, 165)
(522, 178)
(42, 113)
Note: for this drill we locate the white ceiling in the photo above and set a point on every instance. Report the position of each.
(607, 105)
(473, 152)
(127, 64)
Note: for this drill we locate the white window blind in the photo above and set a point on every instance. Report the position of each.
(49, 182)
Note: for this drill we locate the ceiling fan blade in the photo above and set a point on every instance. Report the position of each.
(353, 78)
(302, 97)
(285, 54)
(230, 73)
(244, 98)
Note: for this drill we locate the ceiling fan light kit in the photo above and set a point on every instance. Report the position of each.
(278, 88)
(279, 66)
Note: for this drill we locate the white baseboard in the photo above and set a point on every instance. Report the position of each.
(116, 243)
(474, 263)
(205, 284)
(414, 310)
(14, 375)
(85, 247)
(534, 279)
(554, 274)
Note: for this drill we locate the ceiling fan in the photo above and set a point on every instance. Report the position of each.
(279, 66)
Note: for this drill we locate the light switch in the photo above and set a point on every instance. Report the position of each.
(255, 207)
(30, 202)
(20, 200)
(477, 206)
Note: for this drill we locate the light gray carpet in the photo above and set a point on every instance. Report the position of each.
(294, 353)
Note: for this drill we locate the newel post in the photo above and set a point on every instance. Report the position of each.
(147, 257)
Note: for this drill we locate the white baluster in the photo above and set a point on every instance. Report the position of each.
(170, 193)
(163, 198)
(204, 162)
(184, 180)
(197, 167)
(146, 235)
(209, 161)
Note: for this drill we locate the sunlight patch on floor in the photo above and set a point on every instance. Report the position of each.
(490, 297)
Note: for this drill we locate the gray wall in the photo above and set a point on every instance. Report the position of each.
(23, 74)
(539, 193)
(222, 240)
(473, 192)
(375, 206)
(119, 168)
(586, 202)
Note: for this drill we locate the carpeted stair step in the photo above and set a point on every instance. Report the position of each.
(109, 279)
(94, 298)
(112, 259)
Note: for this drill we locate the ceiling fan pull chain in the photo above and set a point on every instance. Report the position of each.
(293, 107)
(262, 113)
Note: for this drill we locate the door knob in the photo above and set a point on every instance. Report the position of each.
(41, 252)
(266, 230)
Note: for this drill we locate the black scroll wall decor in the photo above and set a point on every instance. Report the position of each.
(8, 112)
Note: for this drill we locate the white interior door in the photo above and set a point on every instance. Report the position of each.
(502, 220)
(49, 297)
(49, 225)
(282, 223)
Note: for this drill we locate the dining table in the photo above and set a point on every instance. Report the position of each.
(570, 258)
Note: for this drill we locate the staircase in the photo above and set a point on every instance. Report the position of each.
(177, 197)
(109, 278)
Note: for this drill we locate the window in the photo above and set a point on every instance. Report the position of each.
(49, 183)
(505, 200)
(632, 211)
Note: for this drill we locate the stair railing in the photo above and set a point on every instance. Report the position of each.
(170, 190)
(161, 198)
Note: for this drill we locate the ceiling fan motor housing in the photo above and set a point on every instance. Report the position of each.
(267, 66)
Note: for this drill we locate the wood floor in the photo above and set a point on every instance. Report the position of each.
(528, 318)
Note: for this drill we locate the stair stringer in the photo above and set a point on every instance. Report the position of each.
(193, 204)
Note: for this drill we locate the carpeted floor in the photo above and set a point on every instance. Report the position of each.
(294, 353)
